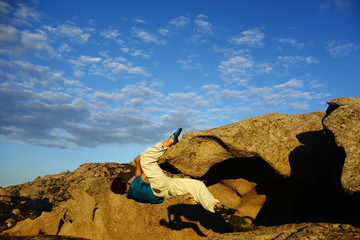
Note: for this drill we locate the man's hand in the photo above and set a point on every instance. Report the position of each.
(138, 170)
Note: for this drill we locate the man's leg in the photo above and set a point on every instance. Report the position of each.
(149, 164)
(151, 155)
(181, 186)
(159, 182)
(149, 159)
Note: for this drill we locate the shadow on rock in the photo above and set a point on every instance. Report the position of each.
(195, 213)
(24, 206)
(313, 191)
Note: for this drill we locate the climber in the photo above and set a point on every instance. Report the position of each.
(162, 187)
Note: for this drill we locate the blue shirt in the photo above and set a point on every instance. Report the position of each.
(141, 192)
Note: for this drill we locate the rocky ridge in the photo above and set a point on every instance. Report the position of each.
(289, 176)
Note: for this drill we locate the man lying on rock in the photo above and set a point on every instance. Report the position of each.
(162, 187)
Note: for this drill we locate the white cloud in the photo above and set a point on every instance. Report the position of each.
(230, 52)
(316, 84)
(342, 50)
(283, 95)
(210, 87)
(64, 47)
(87, 59)
(75, 117)
(4, 8)
(240, 69)
(292, 42)
(135, 52)
(80, 117)
(175, 25)
(233, 94)
(293, 83)
(203, 26)
(110, 33)
(236, 64)
(114, 96)
(180, 22)
(311, 59)
(31, 75)
(164, 31)
(341, 6)
(139, 20)
(105, 67)
(252, 37)
(18, 43)
(202, 29)
(147, 37)
(292, 94)
(25, 15)
(235, 69)
(8, 34)
(189, 64)
(293, 60)
(70, 31)
(189, 99)
(120, 65)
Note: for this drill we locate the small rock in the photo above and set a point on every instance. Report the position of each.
(10, 222)
(16, 211)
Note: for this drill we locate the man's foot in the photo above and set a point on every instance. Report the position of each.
(224, 210)
(175, 136)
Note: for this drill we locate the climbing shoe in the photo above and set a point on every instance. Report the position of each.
(224, 210)
(175, 136)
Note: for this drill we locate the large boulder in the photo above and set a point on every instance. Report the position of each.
(271, 137)
(280, 166)
(343, 121)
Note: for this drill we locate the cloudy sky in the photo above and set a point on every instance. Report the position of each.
(99, 81)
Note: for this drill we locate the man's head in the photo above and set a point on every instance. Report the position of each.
(119, 186)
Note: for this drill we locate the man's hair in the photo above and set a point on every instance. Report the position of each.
(118, 186)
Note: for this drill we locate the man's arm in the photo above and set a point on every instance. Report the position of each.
(138, 170)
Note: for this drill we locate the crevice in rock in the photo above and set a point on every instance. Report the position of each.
(331, 108)
(296, 232)
(253, 169)
(233, 189)
(61, 223)
(216, 139)
(94, 213)
(169, 168)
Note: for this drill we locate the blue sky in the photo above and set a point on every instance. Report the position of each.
(99, 81)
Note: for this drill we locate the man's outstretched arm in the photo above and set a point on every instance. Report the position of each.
(138, 170)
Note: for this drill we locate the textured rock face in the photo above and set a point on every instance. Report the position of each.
(93, 212)
(310, 231)
(343, 120)
(271, 137)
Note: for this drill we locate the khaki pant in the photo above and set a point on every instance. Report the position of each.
(167, 187)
